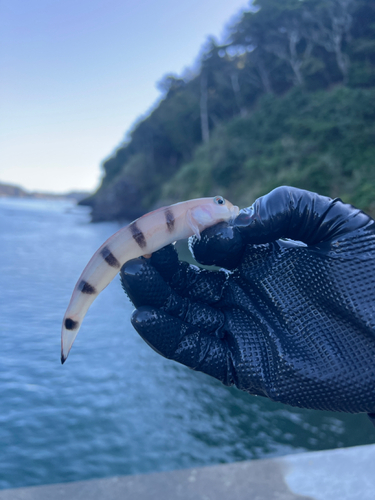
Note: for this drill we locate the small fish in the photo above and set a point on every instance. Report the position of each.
(141, 237)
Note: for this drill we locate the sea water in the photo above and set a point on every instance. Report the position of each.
(115, 407)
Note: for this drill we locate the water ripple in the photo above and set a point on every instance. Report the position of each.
(115, 407)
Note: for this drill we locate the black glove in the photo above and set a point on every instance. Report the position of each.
(291, 321)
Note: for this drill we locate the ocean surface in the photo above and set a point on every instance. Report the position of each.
(115, 407)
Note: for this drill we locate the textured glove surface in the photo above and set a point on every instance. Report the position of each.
(293, 322)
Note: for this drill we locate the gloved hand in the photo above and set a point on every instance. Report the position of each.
(291, 321)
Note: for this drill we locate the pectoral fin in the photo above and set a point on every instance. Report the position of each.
(192, 224)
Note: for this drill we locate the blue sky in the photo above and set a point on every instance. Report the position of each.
(76, 74)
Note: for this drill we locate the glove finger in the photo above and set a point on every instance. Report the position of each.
(166, 262)
(184, 343)
(220, 245)
(288, 212)
(145, 287)
(186, 280)
(142, 283)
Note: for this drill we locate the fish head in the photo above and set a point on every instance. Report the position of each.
(210, 211)
(215, 210)
(224, 209)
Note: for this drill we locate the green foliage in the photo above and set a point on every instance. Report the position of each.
(322, 141)
(288, 99)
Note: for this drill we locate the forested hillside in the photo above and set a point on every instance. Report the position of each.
(289, 98)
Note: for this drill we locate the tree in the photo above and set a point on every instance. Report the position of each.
(248, 35)
(203, 103)
(330, 22)
(277, 28)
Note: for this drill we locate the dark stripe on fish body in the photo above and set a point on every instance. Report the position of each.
(85, 287)
(109, 257)
(71, 324)
(169, 219)
(138, 235)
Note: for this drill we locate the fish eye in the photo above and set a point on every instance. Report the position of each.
(219, 200)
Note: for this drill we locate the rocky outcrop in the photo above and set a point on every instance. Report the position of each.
(121, 200)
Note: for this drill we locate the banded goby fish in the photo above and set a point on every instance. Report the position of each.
(141, 237)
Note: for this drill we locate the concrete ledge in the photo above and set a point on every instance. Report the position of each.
(345, 474)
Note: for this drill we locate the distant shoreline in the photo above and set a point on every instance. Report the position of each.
(12, 191)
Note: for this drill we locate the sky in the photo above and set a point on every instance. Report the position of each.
(77, 74)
